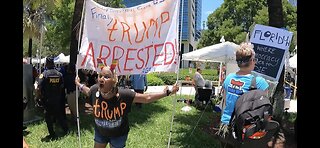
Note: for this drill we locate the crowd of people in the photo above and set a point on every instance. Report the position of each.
(108, 92)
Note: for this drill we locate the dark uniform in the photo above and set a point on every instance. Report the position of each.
(51, 87)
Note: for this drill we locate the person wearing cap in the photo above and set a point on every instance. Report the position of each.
(51, 86)
(111, 106)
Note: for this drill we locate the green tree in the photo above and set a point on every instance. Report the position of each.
(59, 28)
(34, 13)
(232, 20)
(289, 20)
(237, 17)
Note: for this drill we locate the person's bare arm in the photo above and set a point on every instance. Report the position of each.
(83, 88)
(25, 145)
(148, 98)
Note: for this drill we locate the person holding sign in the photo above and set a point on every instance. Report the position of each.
(238, 83)
(111, 106)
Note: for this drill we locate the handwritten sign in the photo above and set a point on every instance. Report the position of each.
(270, 45)
(143, 38)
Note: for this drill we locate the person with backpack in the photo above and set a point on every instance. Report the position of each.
(236, 84)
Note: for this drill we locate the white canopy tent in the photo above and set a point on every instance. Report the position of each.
(222, 53)
(36, 61)
(58, 58)
(61, 58)
(292, 69)
(65, 59)
(293, 61)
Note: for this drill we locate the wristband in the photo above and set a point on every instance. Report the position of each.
(168, 92)
(81, 86)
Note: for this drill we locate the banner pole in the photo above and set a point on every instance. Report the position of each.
(77, 91)
(175, 96)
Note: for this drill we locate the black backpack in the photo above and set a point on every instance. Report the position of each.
(252, 114)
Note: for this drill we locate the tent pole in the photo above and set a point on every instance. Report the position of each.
(77, 91)
(220, 72)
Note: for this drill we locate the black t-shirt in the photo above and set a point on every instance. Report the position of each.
(51, 85)
(111, 115)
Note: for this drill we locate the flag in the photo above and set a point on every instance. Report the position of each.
(114, 64)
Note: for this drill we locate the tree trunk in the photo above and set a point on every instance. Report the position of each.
(75, 28)
(276, 20)
(30, 50)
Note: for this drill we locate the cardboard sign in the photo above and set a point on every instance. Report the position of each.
(270, 45)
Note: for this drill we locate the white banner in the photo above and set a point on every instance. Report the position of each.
(143, 38)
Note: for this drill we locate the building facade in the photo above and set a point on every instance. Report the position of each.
(131, 3)
(293, 2)
(191, 24)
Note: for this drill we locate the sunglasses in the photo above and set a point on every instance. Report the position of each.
(254, 59)
(107, 76)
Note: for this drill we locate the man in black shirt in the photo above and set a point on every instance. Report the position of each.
(51, 87)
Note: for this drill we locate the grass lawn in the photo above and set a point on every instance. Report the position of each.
(149, 126)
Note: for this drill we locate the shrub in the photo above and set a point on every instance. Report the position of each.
(153, 80)
(167, 78)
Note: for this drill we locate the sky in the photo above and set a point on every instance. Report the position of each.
(208, 6)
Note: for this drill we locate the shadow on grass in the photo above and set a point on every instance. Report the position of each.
(85, 117)
(141, 115)
(193, 134)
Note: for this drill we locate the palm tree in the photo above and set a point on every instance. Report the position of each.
(276, 20)
(34, 12)
(75, 25)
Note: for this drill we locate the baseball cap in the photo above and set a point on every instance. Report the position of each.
(49, 60)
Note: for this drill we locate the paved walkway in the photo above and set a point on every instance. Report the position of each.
(189, 90)
(184, 90)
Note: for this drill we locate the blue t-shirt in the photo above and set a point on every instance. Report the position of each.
(138, 81)
(234, 86)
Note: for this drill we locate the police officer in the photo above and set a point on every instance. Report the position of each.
(51, 87)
